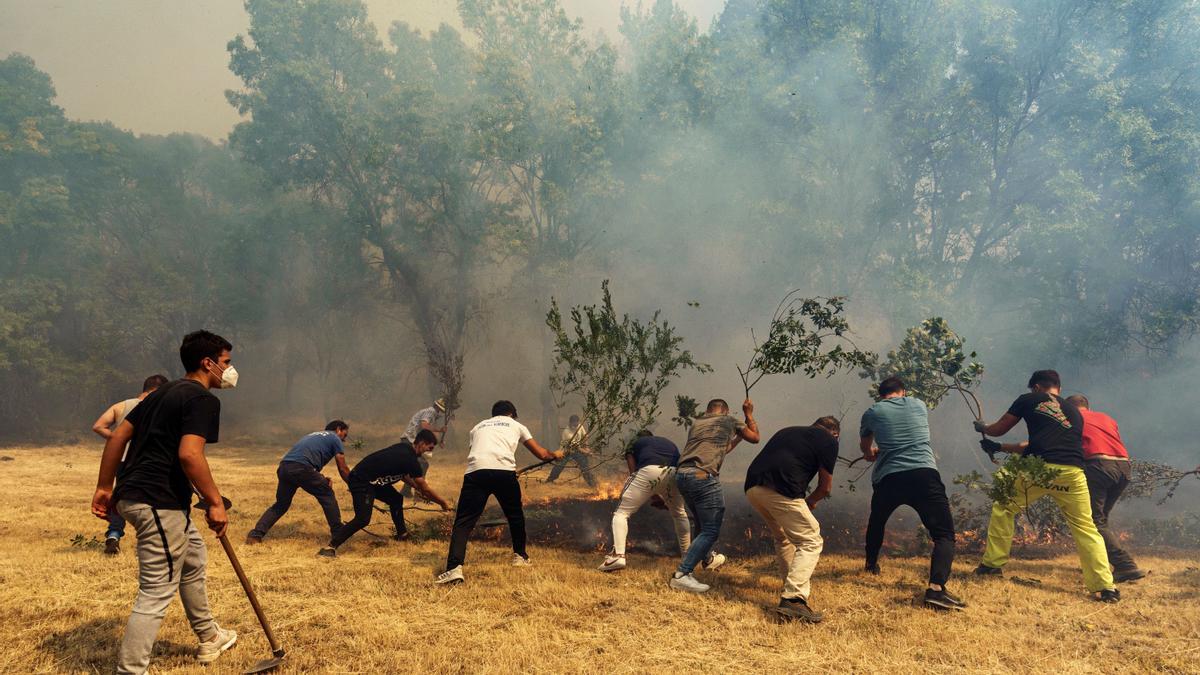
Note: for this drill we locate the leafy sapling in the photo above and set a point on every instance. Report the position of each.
(617, 365)
(933, 362)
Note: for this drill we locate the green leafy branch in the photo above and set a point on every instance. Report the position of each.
(688, 409)
(617, 365)
(796, 341)
(1014, 483)
(933, 361)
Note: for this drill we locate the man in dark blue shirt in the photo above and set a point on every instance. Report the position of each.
(300, 469)
(652, 461)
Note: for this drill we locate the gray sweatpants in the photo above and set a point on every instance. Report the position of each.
(171, 559)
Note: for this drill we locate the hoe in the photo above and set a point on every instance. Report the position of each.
(277, 652)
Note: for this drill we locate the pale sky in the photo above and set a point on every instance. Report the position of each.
(157, 66)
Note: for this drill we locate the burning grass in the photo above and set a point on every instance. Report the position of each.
(373, 609)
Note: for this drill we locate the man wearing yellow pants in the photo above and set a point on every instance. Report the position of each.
(1056, 435)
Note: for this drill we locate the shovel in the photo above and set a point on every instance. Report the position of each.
(266, 665)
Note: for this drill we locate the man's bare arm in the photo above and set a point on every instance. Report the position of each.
(426, 424)
(342, 468)
(542, 453)
(195, 467)
(999, 427)
(103, 424)
(631, 463)
(114, 447)
(427, 492)
(824, 488)
(867, 445)
(749, 433)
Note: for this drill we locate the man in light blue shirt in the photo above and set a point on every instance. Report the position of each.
(300, 469)
(894, 434)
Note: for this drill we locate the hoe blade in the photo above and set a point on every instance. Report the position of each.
(266, 665)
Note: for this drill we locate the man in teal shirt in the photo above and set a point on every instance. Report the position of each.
(894, 434)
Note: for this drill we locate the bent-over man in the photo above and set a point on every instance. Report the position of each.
(104, 426)
(372, 479)
(573, 444)
(1106, 465)
(651, 460)
(425, 418)
(711, 437)
(894, 434)
(776, 483)
(167, 433)
(300, 469)
(492, 470)
(1055, 435)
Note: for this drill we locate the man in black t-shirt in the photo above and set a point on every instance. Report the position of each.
(776, 484)
(1056, 436)
(372, 479)
(167, 433)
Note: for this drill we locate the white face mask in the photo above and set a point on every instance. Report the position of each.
(229, 377)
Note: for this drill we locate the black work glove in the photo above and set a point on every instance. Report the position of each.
(980, 426)
(990, 447)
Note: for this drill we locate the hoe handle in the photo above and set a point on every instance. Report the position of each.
(241, 575)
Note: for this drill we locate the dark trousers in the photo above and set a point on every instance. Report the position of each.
(364, 495)
(476, 488)
(296, 476)
(116, 525)
(922, 489)
(580, 459)
(1107, 479)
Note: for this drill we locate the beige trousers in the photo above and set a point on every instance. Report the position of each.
(797, 535)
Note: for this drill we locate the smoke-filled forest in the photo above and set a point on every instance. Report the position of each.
(395, 202)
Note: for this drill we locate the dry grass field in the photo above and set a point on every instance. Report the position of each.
(375, 610)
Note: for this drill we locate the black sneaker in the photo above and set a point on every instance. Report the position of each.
(1129, 575)
(872, 568)
(798, 609)
(112, 546)
(943, 599)
(401, 536)
(1110, 595)
(328, 552)
(985, 571)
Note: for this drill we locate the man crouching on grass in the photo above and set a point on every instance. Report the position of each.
(167, 433)
(372, 479)
(492, 470)
(776, 483)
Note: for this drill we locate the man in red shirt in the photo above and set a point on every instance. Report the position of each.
(1106, 465)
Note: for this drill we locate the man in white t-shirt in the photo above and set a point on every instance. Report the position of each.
(492, 470)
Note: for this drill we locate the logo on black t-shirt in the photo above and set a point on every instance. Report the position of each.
(1054, 411)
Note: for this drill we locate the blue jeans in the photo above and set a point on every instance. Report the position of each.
(706, 500)
(116, 525)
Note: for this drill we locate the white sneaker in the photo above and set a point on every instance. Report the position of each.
(688, 583)
(450, 576)
(209, 651)
(613, 563)
(519, 561)
(714, 561)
